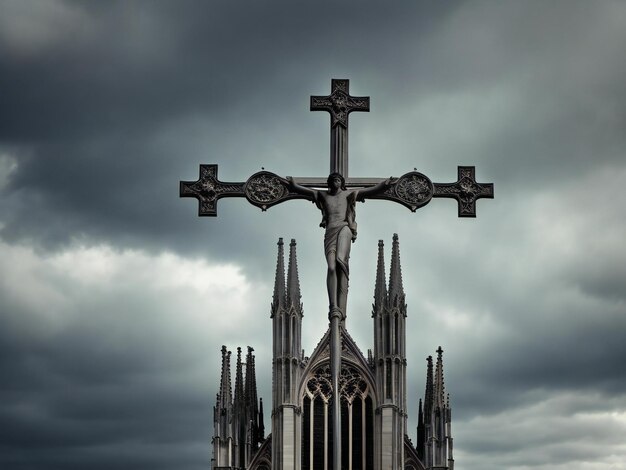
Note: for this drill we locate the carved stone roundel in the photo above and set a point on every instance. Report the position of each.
(264, 188)
(414, 188)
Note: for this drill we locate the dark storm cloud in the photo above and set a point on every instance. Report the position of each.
(96, 106)
(89, 109)
(106, 369)
(106, 106)
(133, 65)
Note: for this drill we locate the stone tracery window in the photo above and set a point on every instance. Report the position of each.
(356, 421)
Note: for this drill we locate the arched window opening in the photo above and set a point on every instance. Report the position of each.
(357, 418)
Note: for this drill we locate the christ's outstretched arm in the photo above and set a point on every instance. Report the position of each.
(309, 193)
(370, 191)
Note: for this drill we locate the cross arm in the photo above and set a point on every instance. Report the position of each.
(415, 190)
(263, 189)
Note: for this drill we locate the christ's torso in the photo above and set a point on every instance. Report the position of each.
(336, 206)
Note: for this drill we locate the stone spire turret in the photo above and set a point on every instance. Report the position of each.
(251, 408)
(420, 432)
(239, 418)
(380, 289)
(436, 444)
(293, 281)
(222, 416)
(278, 299)
(261, 421)
(439, 387)
(287, 358)
(226, 396)
(396, 289)
(238, 428)
(429, 393)
(389, 314)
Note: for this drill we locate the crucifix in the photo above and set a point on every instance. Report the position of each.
(265, 189)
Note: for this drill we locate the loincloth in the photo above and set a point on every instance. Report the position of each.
(331, 238)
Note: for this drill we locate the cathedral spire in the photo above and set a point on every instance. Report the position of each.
(293, 282)
(222, 415)
(261, 421)
(428, 395)
(225, 394)
(251, 407)
(396, 289)
(437, 442)
(250, 383)
(439, 388)
(380, 289)
(239, 423)
(421, 432)
(278, 300)
(238, 401)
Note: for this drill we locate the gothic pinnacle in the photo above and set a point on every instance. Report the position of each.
(293, 282)
(428, 395)
(278, 300)
(239, 391)
(261, 421)
(421, 432)
(250, 380)
(396, 289)
(225, 385)
(380, 289)
(439, 391)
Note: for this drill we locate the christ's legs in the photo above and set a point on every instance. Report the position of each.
(344, 243)
(337, 256)
(331, 280)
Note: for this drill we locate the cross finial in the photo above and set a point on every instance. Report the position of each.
(339, 104)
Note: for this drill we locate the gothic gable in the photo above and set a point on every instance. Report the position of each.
(351, 356)
(262, 460)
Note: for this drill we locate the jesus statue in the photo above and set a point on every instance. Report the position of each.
(339, 219)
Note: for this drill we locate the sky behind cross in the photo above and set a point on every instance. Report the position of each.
(115, 298)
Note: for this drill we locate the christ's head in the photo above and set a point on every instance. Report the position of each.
(336, 181)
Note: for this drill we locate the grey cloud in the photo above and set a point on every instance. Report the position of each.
(105, 117)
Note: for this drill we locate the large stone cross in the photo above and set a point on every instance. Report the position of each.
(265, 189)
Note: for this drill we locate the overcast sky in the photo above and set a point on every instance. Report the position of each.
(115, 298)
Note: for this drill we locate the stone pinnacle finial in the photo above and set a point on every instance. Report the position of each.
(421, 432)
(439, 383)
(250, 392)
(278, 300)
(293, 281)
(429, 393)
(261, 421)
(380, 289)
(396, 289)
(239, 391)
(225, 393)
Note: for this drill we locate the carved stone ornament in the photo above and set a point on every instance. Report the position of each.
(264, 189)
(466, 191)
(208, 189)
(414, 189)
(351, 384)
(339, 103)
